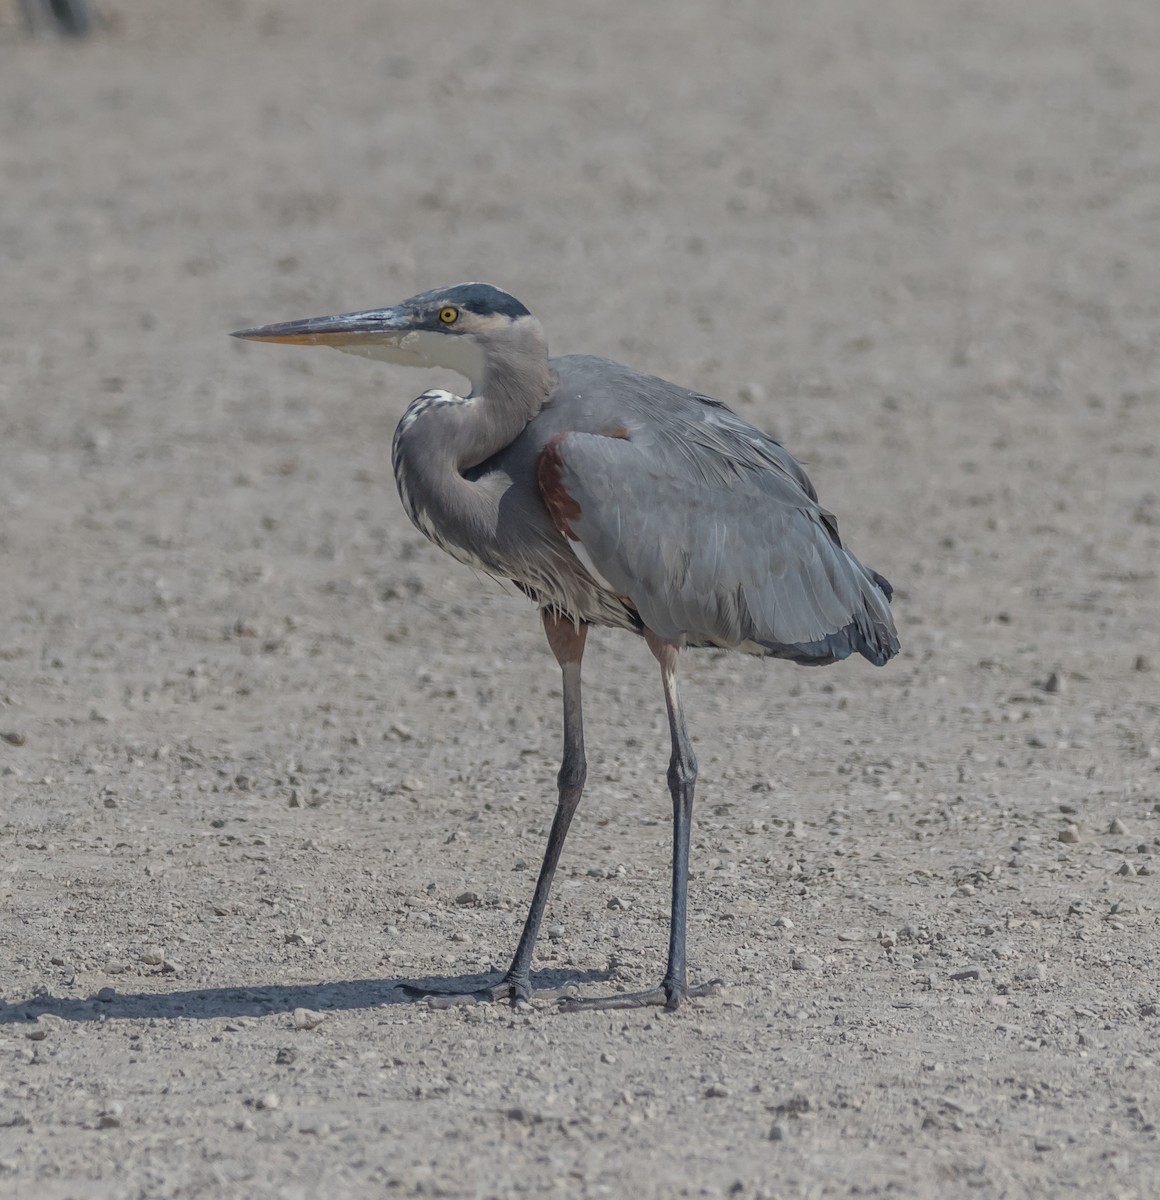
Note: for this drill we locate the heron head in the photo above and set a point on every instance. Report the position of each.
(458, 328)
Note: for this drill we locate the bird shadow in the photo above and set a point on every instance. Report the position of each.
(262, 1000)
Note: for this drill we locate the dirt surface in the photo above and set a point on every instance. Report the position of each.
(264, 749)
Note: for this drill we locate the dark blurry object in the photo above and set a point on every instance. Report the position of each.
(71, 17)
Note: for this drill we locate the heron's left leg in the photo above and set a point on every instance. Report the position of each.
(682, 780)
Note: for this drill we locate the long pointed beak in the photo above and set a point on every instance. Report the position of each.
(378, 324)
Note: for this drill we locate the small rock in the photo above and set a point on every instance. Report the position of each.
(850, 935)
(110, 1118)
(1143, 663)
(107, 995)
(1069, 834)
(307, 1018)
(716, 1091)
(966, 889)
(783, 923)
(619, 902)
(1126, 868)
(467, 899)
(608, 1057)
(268, 1102)
(779, 1132)
(1054, 682)
(286, 1055)
(38, 1034)
(1117, 826)
(806, 962)
(13, 738)
(555, 932)
(152, 956)
(968, 973)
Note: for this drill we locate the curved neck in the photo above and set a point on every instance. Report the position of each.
(441, 436)
(513, 389)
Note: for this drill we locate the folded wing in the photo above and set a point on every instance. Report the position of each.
(713, 533)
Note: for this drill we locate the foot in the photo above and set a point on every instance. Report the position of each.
(515, 988)
(669, 996)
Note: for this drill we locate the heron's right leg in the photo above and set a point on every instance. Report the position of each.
(567, 642)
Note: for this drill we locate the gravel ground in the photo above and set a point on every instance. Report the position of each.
(265, 752)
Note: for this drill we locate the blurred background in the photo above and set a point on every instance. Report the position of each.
(920, 242)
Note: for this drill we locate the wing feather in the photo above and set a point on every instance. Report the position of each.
(715, 535)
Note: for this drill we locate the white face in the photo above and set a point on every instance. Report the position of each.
(425, 348)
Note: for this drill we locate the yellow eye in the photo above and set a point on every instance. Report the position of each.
(449, 315)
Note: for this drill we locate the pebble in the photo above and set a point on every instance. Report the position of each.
(38, 1034)
(716, 1091)
(268, 1102)
(806, 962)
(467, 899)
(1143, 663)
(152, 956)
(779, 1132)
(783, 923)
(1054, 682)
(619, 902)
(107, 995)
(1069, 834)
(307, 1018)
(110, 1118)
(1126, 868)
(13, 738)
(286, 1056)
(969, 973)
(1117, 826)
(555, 932)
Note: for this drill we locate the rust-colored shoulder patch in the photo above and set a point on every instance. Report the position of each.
(562, 508)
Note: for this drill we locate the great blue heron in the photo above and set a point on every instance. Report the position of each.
(610, 498)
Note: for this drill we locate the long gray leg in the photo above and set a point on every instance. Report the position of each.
(682, 780)
(567, 642)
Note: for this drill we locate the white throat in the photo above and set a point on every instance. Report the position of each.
(424, 348)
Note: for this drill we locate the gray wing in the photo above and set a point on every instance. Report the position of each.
(713, 532)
